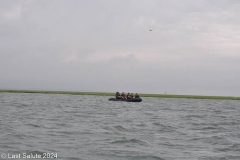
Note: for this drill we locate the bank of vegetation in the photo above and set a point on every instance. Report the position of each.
(113, 94)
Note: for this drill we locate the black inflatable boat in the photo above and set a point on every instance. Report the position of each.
(126, 100)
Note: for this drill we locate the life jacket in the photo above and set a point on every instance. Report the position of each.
(137, 96)
(123, 95)
(117, 95)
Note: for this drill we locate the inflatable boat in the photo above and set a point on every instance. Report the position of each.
(126, 100)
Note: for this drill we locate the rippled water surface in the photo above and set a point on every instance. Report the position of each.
(93, 128)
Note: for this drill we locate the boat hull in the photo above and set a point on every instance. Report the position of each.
(126, 100)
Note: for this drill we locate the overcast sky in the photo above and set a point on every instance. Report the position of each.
(107, 46)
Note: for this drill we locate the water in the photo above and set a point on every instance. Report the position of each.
(93, 128)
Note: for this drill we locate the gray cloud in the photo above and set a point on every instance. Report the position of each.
(107, 46)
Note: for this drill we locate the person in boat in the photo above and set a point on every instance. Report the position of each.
(129, 96)
(137, 96)
(123, 95)
(118, 96)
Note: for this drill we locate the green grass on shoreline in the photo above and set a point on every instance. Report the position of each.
(113, 94)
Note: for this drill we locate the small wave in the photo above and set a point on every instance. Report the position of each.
(24, 105)
(230, 157)
(141, 125)
(61, 124)
(67, 132)
(209, 128)
(120, 128)
(130, 141)
(234, 147)
(33, 125)
(157, 124)
(196, 116)
(49, 126)
(22, 136)
(163, 128)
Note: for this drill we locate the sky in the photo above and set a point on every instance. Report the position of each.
(107, 46)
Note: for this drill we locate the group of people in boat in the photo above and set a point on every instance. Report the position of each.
(124, 96)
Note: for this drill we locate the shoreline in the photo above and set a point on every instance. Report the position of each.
(113, 94)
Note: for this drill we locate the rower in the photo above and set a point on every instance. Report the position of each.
(137, 96)
(118, 95)
(128, 96)
(123, 95)
(131, 95)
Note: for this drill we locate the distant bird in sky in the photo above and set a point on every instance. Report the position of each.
(150, 29)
